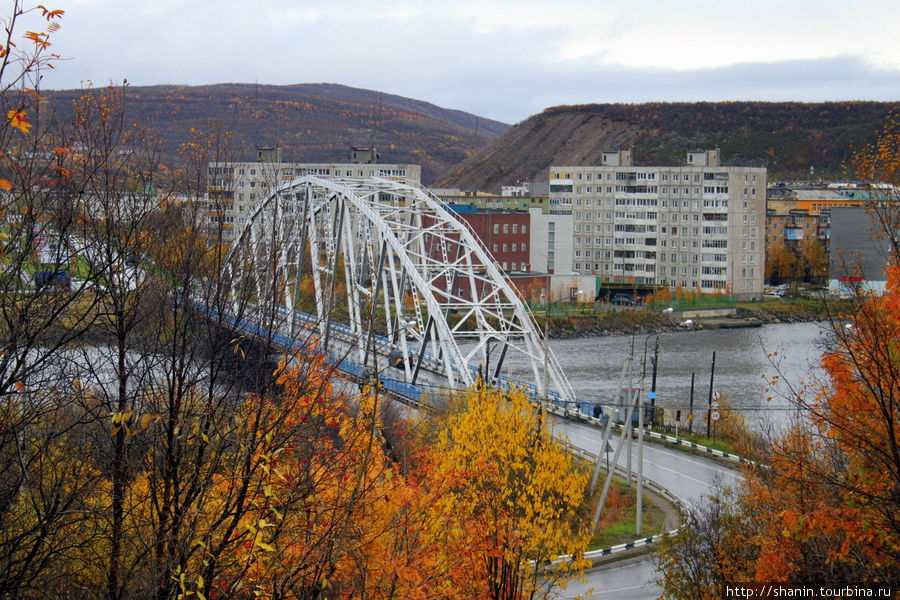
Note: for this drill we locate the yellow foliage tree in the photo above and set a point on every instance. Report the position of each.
(512, 490)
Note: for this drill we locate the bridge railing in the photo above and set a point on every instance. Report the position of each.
(415, 393)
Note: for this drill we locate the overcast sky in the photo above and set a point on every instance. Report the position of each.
(505, 59)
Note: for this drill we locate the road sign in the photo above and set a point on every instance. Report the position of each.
(717, 395)
(715, 405)
(715, 415)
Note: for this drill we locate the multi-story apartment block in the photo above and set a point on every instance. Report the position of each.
(235, 188)
(698, 225)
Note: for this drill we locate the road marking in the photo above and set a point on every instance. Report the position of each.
(623, 589)
(650, 461)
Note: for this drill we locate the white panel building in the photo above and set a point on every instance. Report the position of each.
(699, 225)
(234, 188)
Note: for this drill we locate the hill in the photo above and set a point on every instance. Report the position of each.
(312, 122)
(794, 140)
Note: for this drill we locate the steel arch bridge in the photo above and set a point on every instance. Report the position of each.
(353, 257)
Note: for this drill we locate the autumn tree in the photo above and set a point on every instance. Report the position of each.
(50, 480)
(824, 508)
(814, 259)
(512, 491)
(713, 548)
(782, 264)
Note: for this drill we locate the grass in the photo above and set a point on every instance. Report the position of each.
(616, 524)
(717, 443)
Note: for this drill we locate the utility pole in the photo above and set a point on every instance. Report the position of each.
(610, 419)
(712, 379)
(609, 475)
(631, 400)
(691, 413)
(653, 385)
(639, 517)
(545, 381)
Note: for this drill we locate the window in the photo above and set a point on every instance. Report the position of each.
(515, 228)
(496, 248)
(524, 228)
(496, 228)
(506, 228)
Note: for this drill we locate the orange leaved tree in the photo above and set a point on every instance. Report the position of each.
(825, 509)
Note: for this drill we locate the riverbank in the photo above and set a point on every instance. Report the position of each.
(644, 321)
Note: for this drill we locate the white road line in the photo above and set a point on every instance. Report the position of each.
(621, 589)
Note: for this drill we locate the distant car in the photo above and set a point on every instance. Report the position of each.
(777, 293)
(623, 300)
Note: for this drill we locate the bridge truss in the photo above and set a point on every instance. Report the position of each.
(380, 259)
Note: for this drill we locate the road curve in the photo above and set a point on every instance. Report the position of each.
(689, 477)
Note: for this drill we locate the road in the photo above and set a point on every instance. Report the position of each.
(627, 580)
(687, 476)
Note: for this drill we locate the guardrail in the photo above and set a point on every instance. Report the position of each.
(413, 394)
(583, 410)
(671, 439)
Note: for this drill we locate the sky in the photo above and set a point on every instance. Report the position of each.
(500, 59)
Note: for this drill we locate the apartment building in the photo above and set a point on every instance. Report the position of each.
(700, 225)
(796, 228)
(233, 189)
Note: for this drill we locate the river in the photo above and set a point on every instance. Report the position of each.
(746, 361)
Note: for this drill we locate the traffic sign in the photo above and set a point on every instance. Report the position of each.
(715, 415)
(717, 395)
(715, 405)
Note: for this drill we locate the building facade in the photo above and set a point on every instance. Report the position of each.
(551, 247)
(485, 201)
(234, 189)
(504, 234)
(700, 225)
(860, 250)
(796, 228)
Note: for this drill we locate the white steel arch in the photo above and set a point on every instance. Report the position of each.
(376, 255)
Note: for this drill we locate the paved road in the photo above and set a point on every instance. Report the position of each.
(627, 580)
(689, 477)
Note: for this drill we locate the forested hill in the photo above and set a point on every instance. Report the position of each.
(792, 139)
(312, 122)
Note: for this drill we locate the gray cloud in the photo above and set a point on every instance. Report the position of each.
(502, 73)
